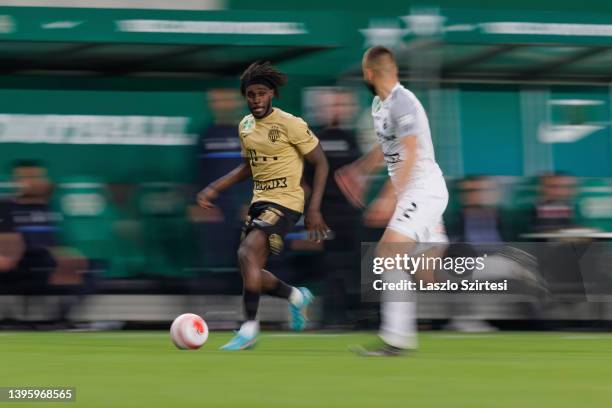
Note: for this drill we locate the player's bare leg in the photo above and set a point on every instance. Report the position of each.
(252, 257)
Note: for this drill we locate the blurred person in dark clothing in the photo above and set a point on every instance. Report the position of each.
(480, 228)
(555, 208)
(218, 152)
(479, 216)
(11, 244)
(29, 216)
(554, 212)
(479, 223)
(335, 109)
(43, 263)
(479, 235)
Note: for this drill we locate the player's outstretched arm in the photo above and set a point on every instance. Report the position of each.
(369, 162)
(352, 178)
(317, 229)
(206, 197)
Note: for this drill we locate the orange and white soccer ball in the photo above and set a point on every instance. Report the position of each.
(189, 331)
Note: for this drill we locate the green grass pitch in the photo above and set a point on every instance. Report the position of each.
(143, 369)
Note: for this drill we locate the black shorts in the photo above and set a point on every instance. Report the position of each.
(273, 219)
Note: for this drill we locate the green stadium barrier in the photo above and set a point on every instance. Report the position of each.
(7, 187)
(594, 203)
(167, 238)
(517, 203)
(87, 220)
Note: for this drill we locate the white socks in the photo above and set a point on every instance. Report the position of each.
(296, 298)
(249, 329)
(398, 325)
(398, 314)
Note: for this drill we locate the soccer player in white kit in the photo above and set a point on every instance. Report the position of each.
(414, 200)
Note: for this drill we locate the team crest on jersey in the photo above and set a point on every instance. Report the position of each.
(377, 105)
(248, 125)
(274, 134)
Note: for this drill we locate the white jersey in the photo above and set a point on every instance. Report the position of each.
(399, 115)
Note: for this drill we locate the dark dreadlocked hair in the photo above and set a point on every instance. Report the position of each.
(262, 72)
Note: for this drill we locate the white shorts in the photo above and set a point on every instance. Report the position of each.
(418, 215)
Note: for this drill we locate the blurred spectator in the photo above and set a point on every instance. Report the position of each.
(29, 216)
(554, 212)
(480, 220)
(11, 245)
(42, 263)
(479, 234)
(334, 109)
(479, 224)
(218, 229)
(219, 151)
(338, 141)
(555, 207)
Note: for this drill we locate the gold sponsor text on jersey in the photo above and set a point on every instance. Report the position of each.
(264, 185)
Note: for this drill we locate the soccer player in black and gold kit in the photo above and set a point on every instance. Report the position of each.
(274, 145)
